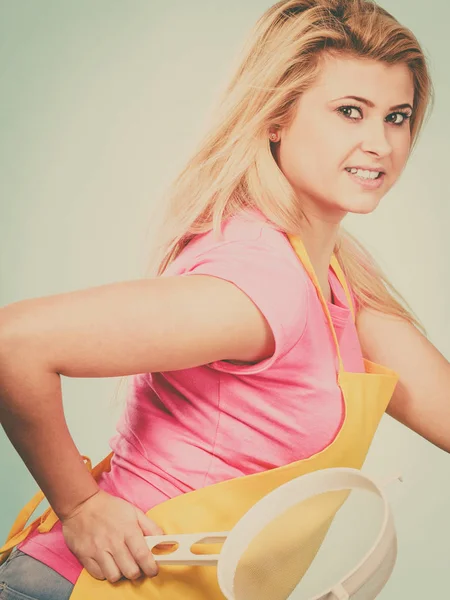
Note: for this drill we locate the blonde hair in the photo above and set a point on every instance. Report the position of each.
(234, 167)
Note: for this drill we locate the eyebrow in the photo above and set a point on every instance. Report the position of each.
(371, 104)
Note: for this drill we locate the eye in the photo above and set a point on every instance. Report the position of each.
(345, 110)
(404, 117)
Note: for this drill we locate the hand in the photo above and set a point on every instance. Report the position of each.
(106, 534)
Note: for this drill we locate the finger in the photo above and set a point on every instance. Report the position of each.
(92, 567)
(126, 563)
(108, 567)
(142, 555)
(148, 526)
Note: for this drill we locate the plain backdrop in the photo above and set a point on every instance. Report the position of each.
(100, 105)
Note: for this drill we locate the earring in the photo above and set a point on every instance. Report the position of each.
(273, 137)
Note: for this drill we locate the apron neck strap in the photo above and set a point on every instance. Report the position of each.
(342, 280)
(302, 254)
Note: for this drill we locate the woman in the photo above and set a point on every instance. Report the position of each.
(234, 370)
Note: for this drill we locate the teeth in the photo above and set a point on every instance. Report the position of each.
(364, 174)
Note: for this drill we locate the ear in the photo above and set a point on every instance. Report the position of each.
(274, 134)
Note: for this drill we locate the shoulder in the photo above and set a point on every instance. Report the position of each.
(247, 239)
(258, 259)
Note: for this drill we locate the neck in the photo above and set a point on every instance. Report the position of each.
(319, 242)
(319, 230)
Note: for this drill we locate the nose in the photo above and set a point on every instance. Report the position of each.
(375, 138)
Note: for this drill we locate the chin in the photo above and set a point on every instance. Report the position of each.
(362, 204)
(362, 208)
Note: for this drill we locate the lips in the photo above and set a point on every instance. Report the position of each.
(369, 183)
(373, 169)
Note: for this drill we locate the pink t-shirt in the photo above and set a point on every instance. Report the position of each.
(183, 430)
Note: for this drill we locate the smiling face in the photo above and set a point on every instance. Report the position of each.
(331, 132)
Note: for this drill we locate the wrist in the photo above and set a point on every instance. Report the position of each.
(73, 508)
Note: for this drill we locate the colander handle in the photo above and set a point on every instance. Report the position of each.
(183, 555)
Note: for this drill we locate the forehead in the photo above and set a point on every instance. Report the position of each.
(379, 82)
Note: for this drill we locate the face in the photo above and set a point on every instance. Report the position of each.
(331, 132)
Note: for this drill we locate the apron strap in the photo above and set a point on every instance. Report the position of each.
(47, 520)
(343, 281)
(302, 254)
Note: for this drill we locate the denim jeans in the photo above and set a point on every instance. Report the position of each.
(24, 578)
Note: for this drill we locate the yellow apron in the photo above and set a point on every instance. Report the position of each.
(218, 507)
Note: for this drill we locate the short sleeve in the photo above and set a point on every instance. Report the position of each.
(270, 274)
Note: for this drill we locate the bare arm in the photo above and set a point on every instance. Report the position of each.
(119, 329)
(421, 400)
(113, 330)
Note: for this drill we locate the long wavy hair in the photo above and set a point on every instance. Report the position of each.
(234, 167)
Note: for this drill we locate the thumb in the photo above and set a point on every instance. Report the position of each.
(148, 526)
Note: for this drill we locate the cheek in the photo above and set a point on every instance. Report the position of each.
(303, 155)
(311, 168)
(403, 150)
(401, 146)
